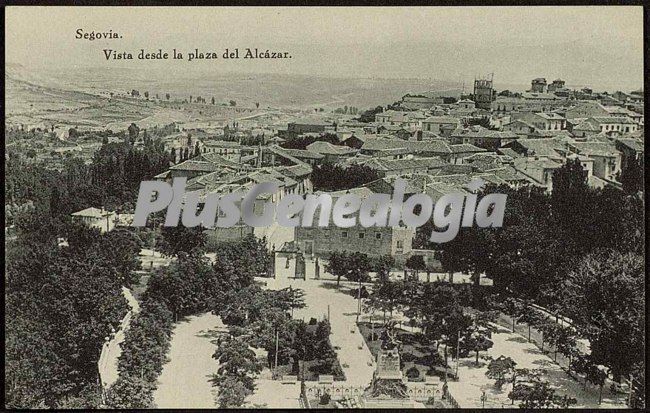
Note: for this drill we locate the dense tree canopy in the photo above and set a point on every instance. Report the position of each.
(328, 177)
(62, 303)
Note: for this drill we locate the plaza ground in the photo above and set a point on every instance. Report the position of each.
(185, 380)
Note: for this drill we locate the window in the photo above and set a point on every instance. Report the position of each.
(344, 234)
(362, 235)
(378, 235)
(400, 245)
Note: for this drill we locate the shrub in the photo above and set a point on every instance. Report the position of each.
(413, 373)
(325, 398)
(373, 336)
(406, 357)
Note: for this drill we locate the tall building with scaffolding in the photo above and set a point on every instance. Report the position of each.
(484, 93)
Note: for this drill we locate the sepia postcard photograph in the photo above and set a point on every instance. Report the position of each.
(289, 207)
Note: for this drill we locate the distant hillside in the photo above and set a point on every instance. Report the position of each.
(276, 90)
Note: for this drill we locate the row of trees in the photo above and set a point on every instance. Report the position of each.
(191, 284)
(301, 142)
(111, 180)
(578, 252)
(144, 350)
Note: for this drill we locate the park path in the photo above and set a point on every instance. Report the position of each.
(473, 380)
(184, 382)
(111, 351)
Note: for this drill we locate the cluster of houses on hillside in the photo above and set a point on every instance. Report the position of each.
(435, 145)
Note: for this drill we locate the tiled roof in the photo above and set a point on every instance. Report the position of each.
(327, 148)
(477, 131)
(613, 119)
(362, 192)
(397, 164)
(299, 170)
(441, 119)
(509, 152)
(299, 153)
(587, 125)
(550, 116)
(595, 148)
(216, 158)
(318, 122)
(201, 166)
(221, 144)
(549, 147)
(434, 145)
(631, 143)
(92, 212)
(465, 148)
(510, 174)
(528, 163)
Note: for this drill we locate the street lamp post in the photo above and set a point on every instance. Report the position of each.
(457, 353)
(359, 300)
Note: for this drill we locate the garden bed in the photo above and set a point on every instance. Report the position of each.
(418, 358)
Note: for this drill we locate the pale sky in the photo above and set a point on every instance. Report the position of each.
(583, 45)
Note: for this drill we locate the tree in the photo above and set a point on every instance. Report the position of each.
(477, 340)
(482, 121)
(385, 297)
(416, 263)
(134, 131)
(539, 395)
(182, 240)
(571, 202)
(121, 248)
(632, 177)
(603, 297)
(61, 304)
(329, 177)
(383, 265)
(237, 360)
(232, 393)
(353, 266)
(369, 115)
(502, 370)
(73, 133)
(527, 314)
(637, 399)
(301, 142)
(130, 392)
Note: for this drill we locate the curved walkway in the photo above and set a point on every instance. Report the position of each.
(112, 350)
